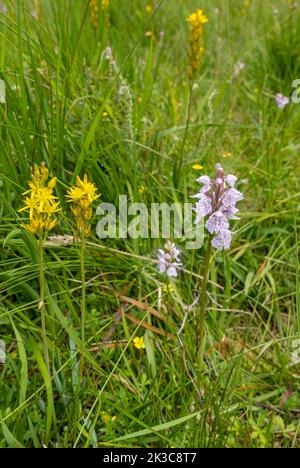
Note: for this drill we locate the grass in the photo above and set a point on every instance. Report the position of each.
(122, 122)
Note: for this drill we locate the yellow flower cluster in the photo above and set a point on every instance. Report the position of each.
(94, 13)
(196, 21)
(104, 4)
(81, 198)
(107, 419)
(40, 202)
(168, 288)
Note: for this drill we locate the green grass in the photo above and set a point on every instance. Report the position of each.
(123, 125)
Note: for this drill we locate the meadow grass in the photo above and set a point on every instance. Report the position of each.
(121, 120)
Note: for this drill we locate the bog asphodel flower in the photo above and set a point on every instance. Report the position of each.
(40, 202)
(94, 13)
(196, 21)
(104, 4)
(168, 288)
(81, 198)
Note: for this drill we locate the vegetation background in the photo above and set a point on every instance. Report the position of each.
(121, 119)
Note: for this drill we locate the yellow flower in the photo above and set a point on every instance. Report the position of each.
(139, 342)
(40, 202)
(196, 21)
(168, 288)
(226, 154)
(107, 418)
(197, 18)
(142, 189)
(197, 167)
(104, 4)
(149, 8)
(81, 198)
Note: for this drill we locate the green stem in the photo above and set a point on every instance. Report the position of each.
(187, 125)
(203, 290)
(83, 294)
(42, 303)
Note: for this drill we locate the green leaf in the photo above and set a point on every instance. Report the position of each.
(248, 282)
(13, 233)
(24, 366)
(159, 427)
(9, 437)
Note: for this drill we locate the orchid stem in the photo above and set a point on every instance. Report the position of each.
(201, 330)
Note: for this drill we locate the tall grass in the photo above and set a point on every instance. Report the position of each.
(122, 121)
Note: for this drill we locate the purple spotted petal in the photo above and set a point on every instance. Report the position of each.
(217, 222)
(230, 212)
(205, 180)
(231, 180)
(222, 240)
(203, 208)
(231, 197)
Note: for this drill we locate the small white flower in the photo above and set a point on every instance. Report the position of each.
(281, 100)
(168, 259)
(237, 69)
